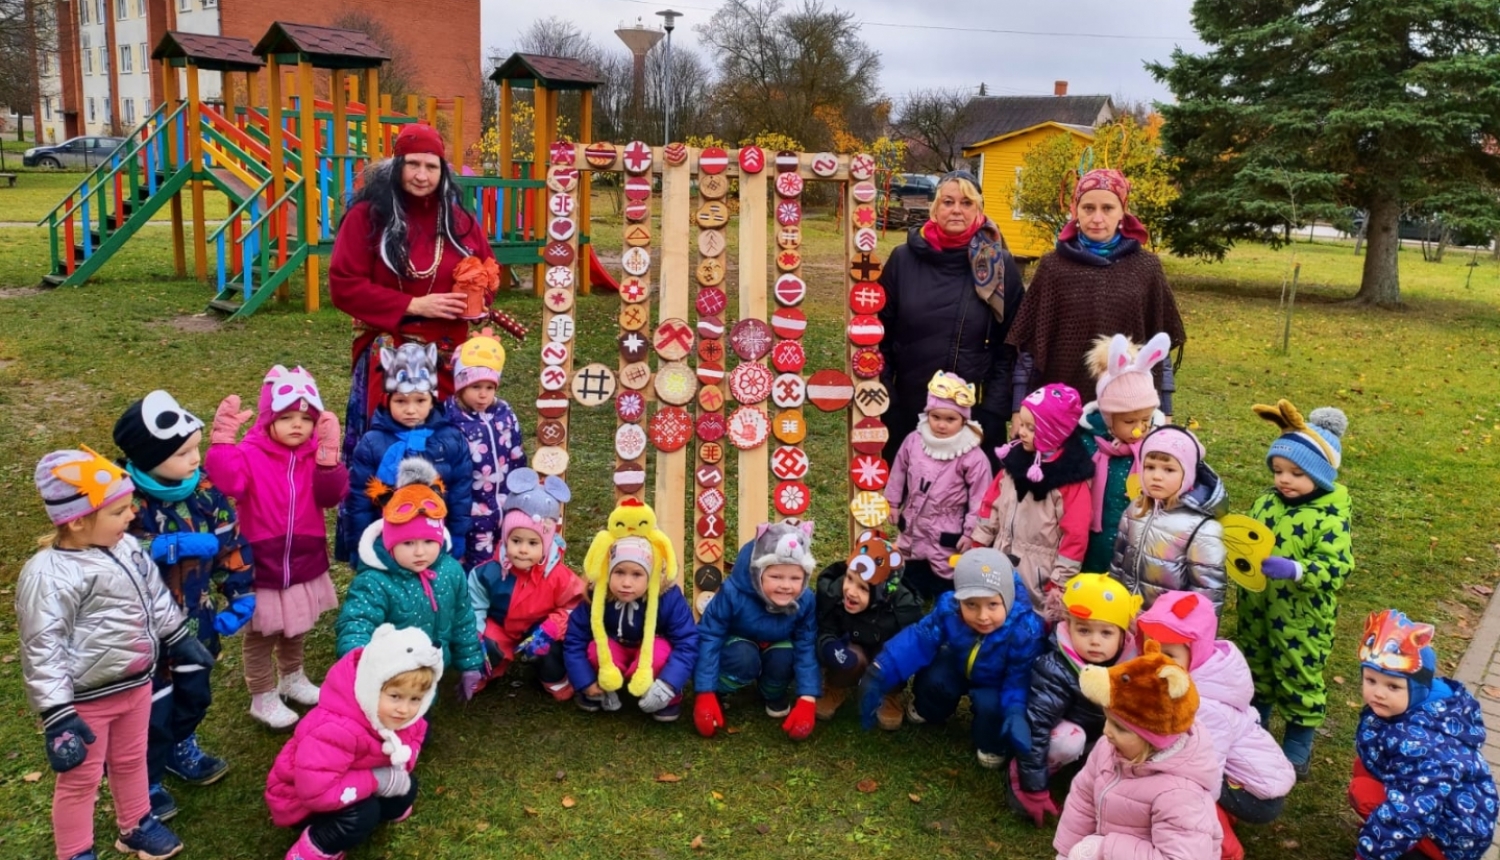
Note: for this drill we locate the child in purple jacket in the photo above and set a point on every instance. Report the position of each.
(494, 436)
(937, 483)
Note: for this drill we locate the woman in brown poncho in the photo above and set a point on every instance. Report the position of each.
(1100, 280)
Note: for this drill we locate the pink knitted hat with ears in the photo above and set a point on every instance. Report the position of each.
(1126, 384)
(518, 519)
(1180, 445)
(1056, 409)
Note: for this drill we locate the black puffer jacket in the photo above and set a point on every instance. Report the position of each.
(934, 320)
(1055, 697)
(887, 615)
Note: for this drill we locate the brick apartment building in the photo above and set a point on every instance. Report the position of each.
(101, 79)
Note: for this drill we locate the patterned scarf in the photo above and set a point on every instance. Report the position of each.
(987, 253)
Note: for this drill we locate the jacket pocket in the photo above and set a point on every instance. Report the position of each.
(949, 540)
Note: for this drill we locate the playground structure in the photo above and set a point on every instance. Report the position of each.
(286, 160)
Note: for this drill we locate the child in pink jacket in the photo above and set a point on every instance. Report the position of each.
(936, 484)
(1149, 792)
(1257, 775)
(347, 770)
(282, 476)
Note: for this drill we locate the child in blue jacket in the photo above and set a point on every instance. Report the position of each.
(979, 640)
(408, 424)
(673, 653)
(762, 627)
(1420, 779)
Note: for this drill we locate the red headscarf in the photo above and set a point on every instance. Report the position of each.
(1113, 181)
(419, 137)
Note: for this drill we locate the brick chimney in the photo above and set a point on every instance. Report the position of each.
(1059, 88)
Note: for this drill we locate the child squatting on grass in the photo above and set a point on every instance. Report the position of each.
(282, 476)
(190, 530)
(93, 614)
(1421, 783)
(980, 641)
(348, 767)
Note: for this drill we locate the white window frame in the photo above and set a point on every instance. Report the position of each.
(84, 11)
(127, 107)
(104, 60)
(98, 10)
(47, 109)
(122, 9)
(140, 8)
(88, 56)
(145, 59)
(209, 4)
(127, 60)
(1015, 213)
(184, 5)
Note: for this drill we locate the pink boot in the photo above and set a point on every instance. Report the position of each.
(304, 849)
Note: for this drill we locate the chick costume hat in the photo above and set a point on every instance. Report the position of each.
(632, 518)
(1099, 597)
(480, 359)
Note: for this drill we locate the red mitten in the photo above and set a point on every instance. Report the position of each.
(799, 723)
(706, 714)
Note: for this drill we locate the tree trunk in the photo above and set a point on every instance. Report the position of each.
(1380, 282)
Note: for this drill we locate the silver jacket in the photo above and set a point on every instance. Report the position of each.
(1177, 550)
(92, 623)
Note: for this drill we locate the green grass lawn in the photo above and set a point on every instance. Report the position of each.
(38, 192)
(514, 775)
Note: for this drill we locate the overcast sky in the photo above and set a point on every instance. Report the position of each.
(936, 44)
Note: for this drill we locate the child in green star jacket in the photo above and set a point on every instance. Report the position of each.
(407, 577)
(1286, 631)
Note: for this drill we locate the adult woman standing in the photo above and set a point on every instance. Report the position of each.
(393, 266)
(1099, 281)
(951, 293)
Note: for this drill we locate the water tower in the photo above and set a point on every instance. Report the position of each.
(640, 41)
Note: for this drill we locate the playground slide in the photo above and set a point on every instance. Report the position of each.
(598, 277)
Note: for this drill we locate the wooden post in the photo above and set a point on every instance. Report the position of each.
(310, 229)
(195, 158)
(431, 112)
(411, 106)
(753, 476)
(669, 500)
(507, 104)
(458, 134)
(179, 237)
(340, 134)
(373, 148)
(586, 186)
(539, 171)
(273, 122)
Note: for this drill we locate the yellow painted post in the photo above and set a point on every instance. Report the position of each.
(411, 106)
(542, 102)
(179, 237)
(195, 158)
(340, 135)
(507, 104)
(431, 113)
(310, 228)
(373, 143)
(586, 187)
(458, 134)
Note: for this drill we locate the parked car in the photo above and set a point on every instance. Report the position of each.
(1429, 229)
(906, 201)
(85, 152)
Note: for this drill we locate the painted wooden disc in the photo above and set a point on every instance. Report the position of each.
(561, 229)
(864, 192)
(713, 160)
(637, 235)
(710, 328)
(559, 254)
(554, 378)
(712, 426)
(710, 272)
(636, 157)
(789, 238)
(711, 351)
(752, 159)
(675, 383)
(634, 317)
(558, 299)
(748, 427)
(866, 298)
(788, 356)
(550, 460)
(560, 328)
(562, 152)
(869, 471)
(787, 161)
(593, 385)
(630, 441)
(562, 179)
(673, 339)
(751, 339)
(830, 390)
(871, 397)
(711, 501)
(867, 362)
(870, 509)
(560, 277)
(789, 463)
(630, 477)
(710, 398)
(789, 323)
(709, 551)
(711, 243)
(788, 213)
(710, 373)
(713, 215)
(630, 406)
(825, 164)
(675, 153)
(788, 261)
(600, 155)
(670, 428)
(636, 375)
(789, 391)
(750, 383)
(711, 452)
(637, 210)
(865, 330)
(790, 426)
(788, 184)
(551, 432)
(713, 186)
(634, 290)
(551, 405)
(711, 301)
(709, 476)
(789, 291)
(868, 436)
(791, 498)
(861, 166)
(638, 188)
(554, 353)
(636, 261)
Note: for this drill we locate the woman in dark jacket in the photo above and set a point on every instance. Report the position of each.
(1100, 281)
(951, 293)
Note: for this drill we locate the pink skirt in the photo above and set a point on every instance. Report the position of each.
(293, 611)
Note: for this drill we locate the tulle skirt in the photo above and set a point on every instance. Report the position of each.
(293, 611)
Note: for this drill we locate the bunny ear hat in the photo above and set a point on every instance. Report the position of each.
(1123, 372)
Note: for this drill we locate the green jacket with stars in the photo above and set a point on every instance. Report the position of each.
(1315, 532)
(435, 601)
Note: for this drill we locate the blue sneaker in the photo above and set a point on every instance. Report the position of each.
(86, 855)
(670, 713)
(163, 806)
(150, 840)
(193, 766)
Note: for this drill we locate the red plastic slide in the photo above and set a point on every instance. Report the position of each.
(599, 279)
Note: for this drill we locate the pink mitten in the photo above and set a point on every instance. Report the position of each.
(1087, 848)
(228, 419)
(1036, 803)
(327, 431)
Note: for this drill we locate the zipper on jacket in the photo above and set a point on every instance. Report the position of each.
(291, 519)
(145, 604)
(1099, 801)
(958, 336)
(1139, 586)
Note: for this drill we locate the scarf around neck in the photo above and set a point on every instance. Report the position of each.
(987, 254)
(953, 447)
(166, 492)
(413, 440)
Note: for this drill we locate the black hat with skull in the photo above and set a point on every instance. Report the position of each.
(153, 429)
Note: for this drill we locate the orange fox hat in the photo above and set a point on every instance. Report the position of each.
(1150, 695)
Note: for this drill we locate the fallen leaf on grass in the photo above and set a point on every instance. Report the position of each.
(732, 730)
(668, 777)
(1482, 590)
(1291, 845)
(866, 785)
(763, 829)
(8, 658)
(529, 810)
(1492, 692)
(717, 795)
(482, 826)
(34, 776)
(914, 798)
(1338, 679)
(697, 843)
(568, 802)
(560, 775)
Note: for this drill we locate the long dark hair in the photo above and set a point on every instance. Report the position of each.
(381, 189)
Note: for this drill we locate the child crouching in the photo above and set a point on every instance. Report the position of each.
(1421, 782)
(862, 604)
(347, 769)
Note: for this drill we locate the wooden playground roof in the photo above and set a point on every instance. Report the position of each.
(554, 73)
(324, 47)
(213, 53)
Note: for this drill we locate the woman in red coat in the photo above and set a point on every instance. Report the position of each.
(393, 266)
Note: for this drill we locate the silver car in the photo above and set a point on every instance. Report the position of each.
(84, 152)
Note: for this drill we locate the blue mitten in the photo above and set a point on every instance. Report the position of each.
(871, 690)
(176, 546)
(535, 645)
(237, 615)
(835, 654)
(67, 735)
(1016, 731)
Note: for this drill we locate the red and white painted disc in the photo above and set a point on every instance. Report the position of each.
(637, 157)
(562, 152)
(830, 390)
(788, 356)
(788, 184)
(752, 159)
(861, 166)
(792, 498)
(825, 164)
(789, 462)
(750, 383)
(789, 323)
(869, 471)
(865, 330)
(670, 428)
(713, 160)
(790, 290)
(789, 391)
(748, 427)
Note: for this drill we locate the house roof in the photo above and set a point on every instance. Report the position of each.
(1084, 131)
(993, 116)
(214, 53)
(324, 47)
(554, 73)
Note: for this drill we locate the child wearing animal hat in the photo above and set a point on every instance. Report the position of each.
(1158, 769)
(1421, 783)
(408, 424)
(494, 436)
(282, 476)
(522, 598)
(1038, 507)
(862, 604)
(936, 483)
(980, 641)
(1126, 408)
(1257, 775)
(645, 632)
(1064, 722)
(1170, 538)
(406, 579)
(348, 768)
(191, 531)
(762, 628)
(1286, 631)
(93, 616)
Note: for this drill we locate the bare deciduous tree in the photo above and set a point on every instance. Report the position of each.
(931, 121)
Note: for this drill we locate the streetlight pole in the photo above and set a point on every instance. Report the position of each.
(670, 21)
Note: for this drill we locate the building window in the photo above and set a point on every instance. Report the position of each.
(184, 5)
(129, 110)
(83, 12)
(140, 8)
(103, 60)
(121, 9)
(44, 66)
(127, 67)
(209, 4)
(1015, 209)
(88, 56)
(98, 10)
(145, 60)
(47, 109)
(93, 116)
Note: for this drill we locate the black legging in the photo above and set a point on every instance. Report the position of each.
(347, 828)
(1248, 808)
